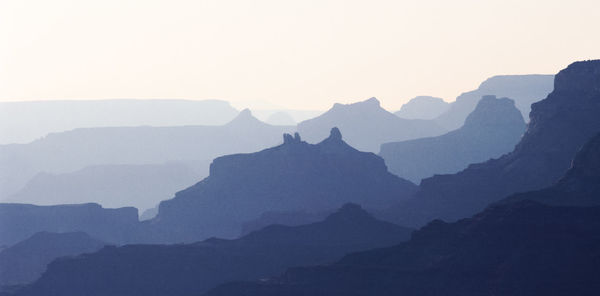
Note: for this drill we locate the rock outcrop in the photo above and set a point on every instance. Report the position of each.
(290, 177)
(491, 130)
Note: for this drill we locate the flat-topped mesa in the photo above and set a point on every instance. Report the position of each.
(494, 111)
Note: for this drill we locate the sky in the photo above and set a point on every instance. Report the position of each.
(293, 54)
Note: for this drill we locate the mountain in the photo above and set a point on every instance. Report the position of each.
(523, 89)
(20, 221)
(191, 269)
(290, 177)
(423, 107)
(74, 150)
(25, 261)
(281, 118)
(23, 122)
(522, 248)
(559, 126)
(366, 125)
(491, 130)
(579, 187)
(142, 186)
(287, 218)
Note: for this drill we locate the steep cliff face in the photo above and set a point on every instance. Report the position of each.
(20, 221)
(366, 125)
(191, 269)
(491, 130)
(560, 125)
(579, 187)
(290, 177)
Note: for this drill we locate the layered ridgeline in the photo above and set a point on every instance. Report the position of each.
(189, 147)
(21, 221)
(366, 125)
(559, 126)
(491, 130)
(517, 247)
(25, 261)
(579, 187)
(23, 122)
(191, 269)
(423, 107)
(293, 176)
(142, 186)
(523, 89)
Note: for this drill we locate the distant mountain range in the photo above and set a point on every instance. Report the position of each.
(423, 107)
(292, 176)
(523, 89)
(491, 130)
(25, 261)
(67, 152)
(191, 269)
(366, 125)
(516, 247)
(559, 126)
(20, 221)
(23, 122)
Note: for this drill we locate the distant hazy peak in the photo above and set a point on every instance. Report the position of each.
(245, 117)
(423, 107)
(492, 110)
(372, 102)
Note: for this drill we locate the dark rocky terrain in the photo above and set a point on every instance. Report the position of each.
(191, 269)
(491, 130)
(25, 261)
(293, 176)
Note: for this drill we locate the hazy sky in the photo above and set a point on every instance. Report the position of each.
(298, 54)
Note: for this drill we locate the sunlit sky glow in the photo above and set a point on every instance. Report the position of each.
(295, 54)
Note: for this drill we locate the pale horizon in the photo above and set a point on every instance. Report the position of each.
(297, 55)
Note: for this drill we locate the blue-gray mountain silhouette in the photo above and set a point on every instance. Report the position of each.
(559, 126)
(20, 221)
(423, 107)
(191, 269)
(366, 125)
(523, 89)
(25, 261)
(292, 176)
(523, 248)
(23, 122)
(491, 130)
(193, 146)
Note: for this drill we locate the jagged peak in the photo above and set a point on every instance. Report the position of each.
(289, 139)
(335, 134)
(244, 117)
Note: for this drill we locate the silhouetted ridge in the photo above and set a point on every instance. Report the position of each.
(191, 269)
(491, 130)
(290, 177)
(559, 126)
(366, 125)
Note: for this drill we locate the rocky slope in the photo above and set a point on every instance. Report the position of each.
(491, 130)
(191, 269)
(25, 261)
(560, 125)
(293, 176)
